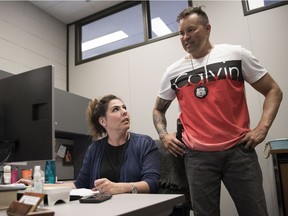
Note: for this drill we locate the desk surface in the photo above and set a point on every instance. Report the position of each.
(121, 204)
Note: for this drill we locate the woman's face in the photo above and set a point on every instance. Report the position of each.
(117, 117)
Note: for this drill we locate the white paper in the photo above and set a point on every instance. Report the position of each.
(61, 151)
(14, 186)
(31, 200)
(83, 192)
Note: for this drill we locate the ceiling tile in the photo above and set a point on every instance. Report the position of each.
(71, 11)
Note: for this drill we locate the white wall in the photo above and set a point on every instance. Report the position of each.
(30, 38)
(134, 75)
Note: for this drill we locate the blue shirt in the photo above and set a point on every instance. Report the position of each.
(141, 163)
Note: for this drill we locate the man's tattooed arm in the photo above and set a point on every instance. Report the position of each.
(159, 119)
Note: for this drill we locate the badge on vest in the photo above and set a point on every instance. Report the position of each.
(201, 91)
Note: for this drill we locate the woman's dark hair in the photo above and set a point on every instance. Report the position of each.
(194, 10)
(95, 110)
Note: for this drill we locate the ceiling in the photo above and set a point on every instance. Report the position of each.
(71, 11)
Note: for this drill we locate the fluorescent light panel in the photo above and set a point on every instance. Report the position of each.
(159, 27)
(253, 4)
(110, 38)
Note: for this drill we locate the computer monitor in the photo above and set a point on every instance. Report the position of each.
(27, 114)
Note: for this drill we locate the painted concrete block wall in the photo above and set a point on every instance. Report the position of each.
(30, 38)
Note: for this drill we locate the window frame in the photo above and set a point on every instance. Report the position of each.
(247, 11)
(112, 10)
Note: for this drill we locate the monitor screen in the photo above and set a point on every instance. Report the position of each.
(1, 120)
(27, 118)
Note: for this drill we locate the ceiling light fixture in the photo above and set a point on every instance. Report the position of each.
(109, 38)
(255, 4)
(159, 27)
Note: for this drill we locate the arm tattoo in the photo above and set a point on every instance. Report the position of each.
(159, 119)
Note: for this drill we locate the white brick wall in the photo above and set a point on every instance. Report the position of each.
(30, 38)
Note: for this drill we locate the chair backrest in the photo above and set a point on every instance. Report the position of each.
(173, 178)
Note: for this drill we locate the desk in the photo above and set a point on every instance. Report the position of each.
(279, 152)
(280, 161)
(121, 204)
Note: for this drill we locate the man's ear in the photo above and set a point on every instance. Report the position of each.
(208, 27)
(102, 121)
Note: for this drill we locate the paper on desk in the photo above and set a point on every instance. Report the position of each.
(14, 186)
(82, 192)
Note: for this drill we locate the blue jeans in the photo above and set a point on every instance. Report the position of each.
(240, 172)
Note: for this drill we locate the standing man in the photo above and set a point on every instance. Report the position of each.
(218, 144)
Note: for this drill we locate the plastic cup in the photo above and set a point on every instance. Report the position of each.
(26, 173)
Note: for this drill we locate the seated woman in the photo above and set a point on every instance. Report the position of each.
(121, 161)
(118, 161)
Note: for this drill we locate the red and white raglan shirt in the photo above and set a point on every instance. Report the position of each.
(211, 96)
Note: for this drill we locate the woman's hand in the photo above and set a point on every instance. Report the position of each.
(106, 186)
(27, 182)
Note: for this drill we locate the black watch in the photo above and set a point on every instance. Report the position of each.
(133, 189)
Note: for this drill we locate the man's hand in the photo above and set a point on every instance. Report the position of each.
(254, 137)
(172, 144)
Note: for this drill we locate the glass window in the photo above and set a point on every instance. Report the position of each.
(127, 25)
(163, 16)
(254, 6)
(118, 30)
